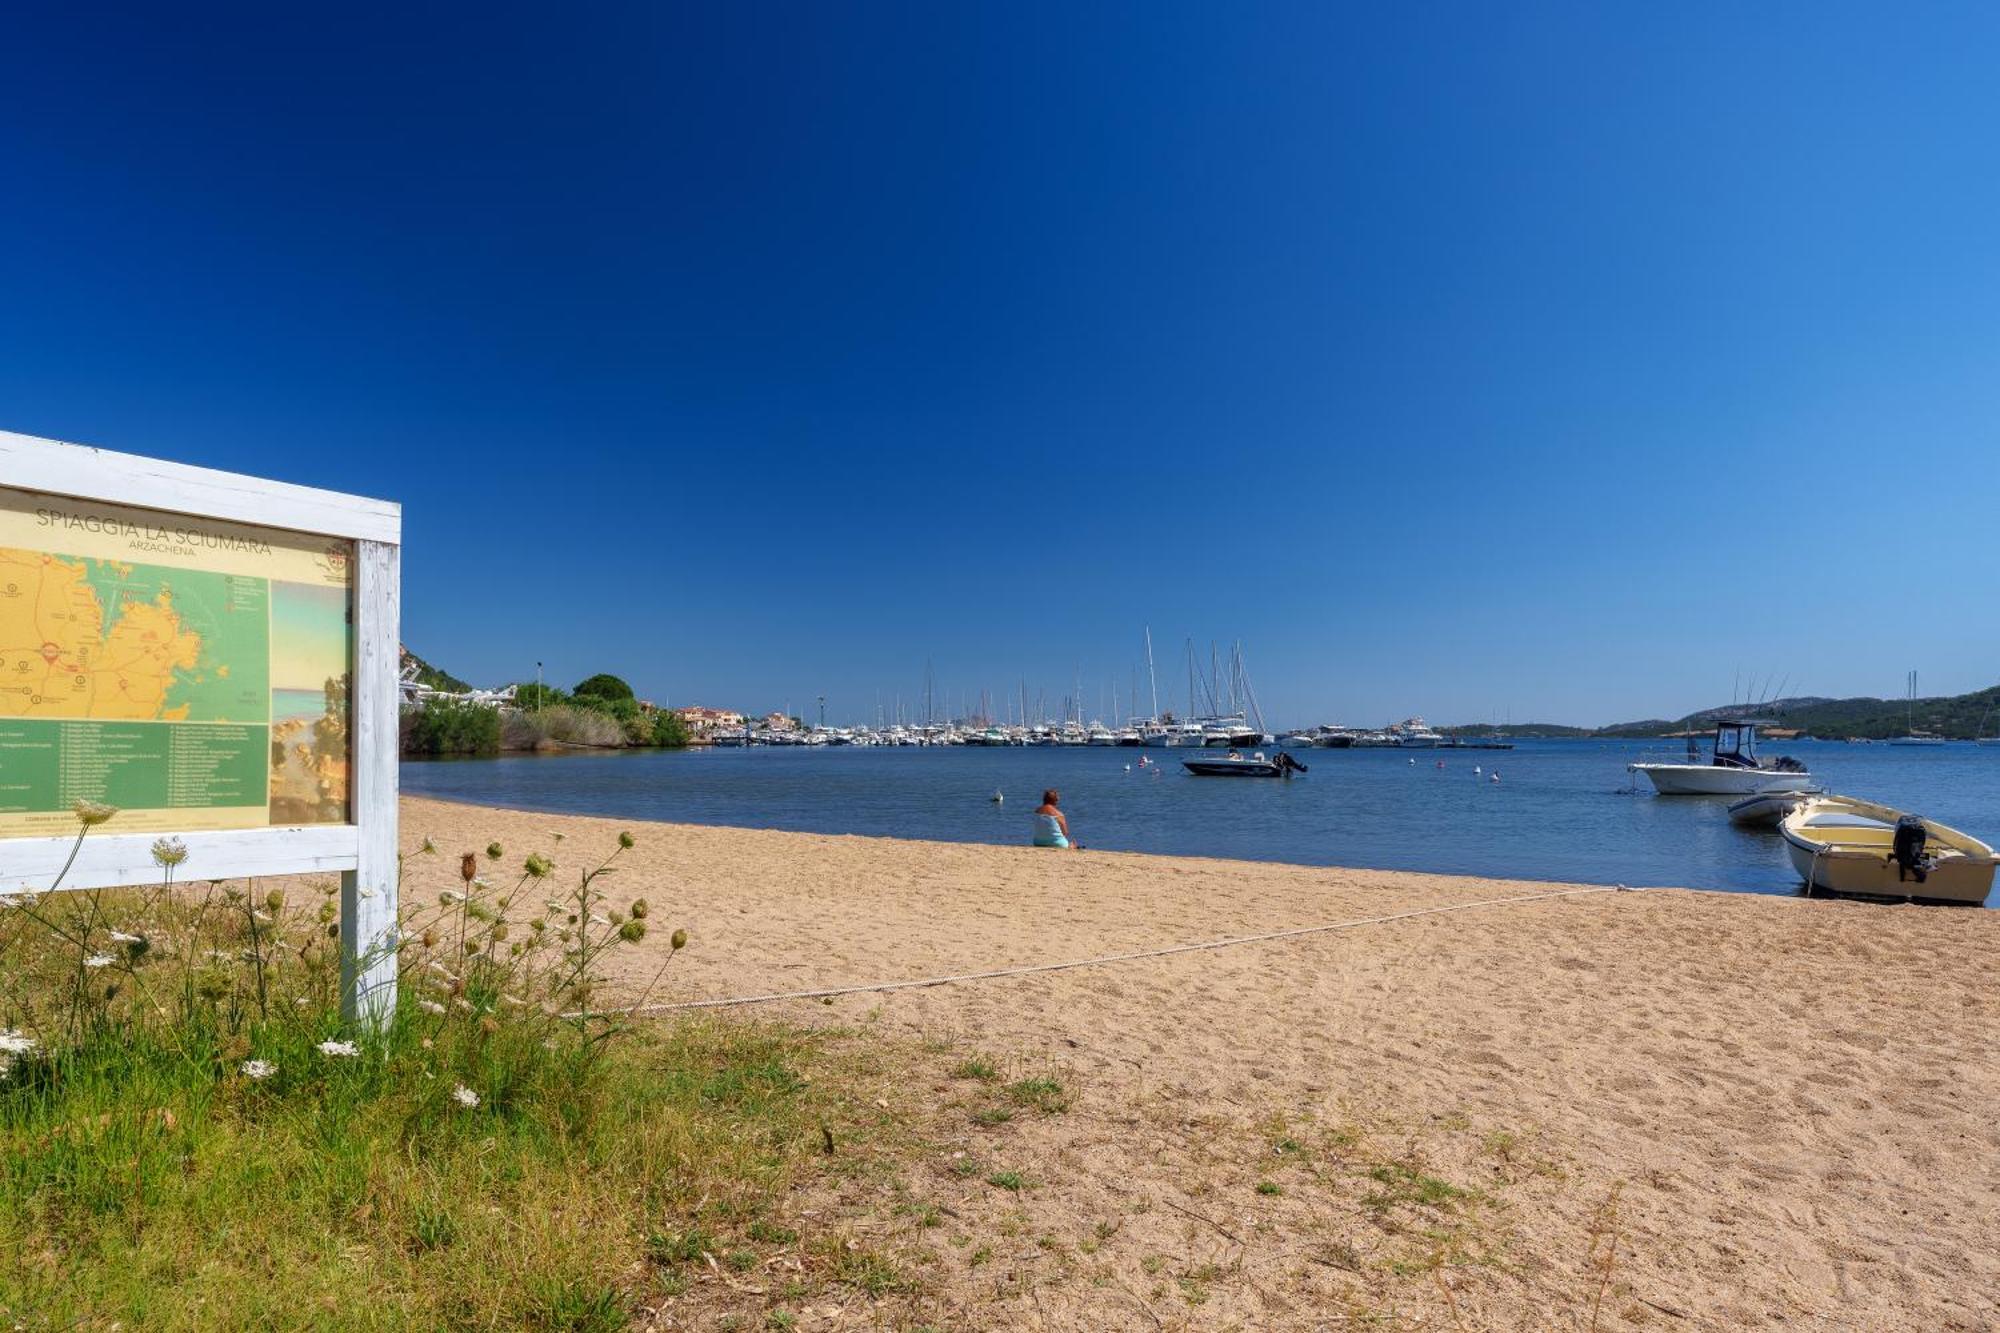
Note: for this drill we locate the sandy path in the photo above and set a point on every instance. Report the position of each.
(1785, 1109)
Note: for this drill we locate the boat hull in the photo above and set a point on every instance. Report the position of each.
(1764, 809)
(1719, 780)
(1231, 768)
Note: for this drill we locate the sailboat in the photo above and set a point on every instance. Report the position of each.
(1913, 736)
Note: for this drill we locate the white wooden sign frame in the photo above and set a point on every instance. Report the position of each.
(363, 852)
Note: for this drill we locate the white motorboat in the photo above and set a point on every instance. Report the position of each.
(1846, 845)
(1298, 740)
(1733, 768)
(1415, 734)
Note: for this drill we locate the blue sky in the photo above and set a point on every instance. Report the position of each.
(1463, 360)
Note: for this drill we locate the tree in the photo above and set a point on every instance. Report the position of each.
(602, 686)
(532, 698)
(669, 730)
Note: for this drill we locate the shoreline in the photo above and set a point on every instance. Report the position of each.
(1782, 1107)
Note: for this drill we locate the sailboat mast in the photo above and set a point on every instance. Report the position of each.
(1152, 681)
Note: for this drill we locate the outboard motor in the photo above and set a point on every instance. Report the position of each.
(1787, 764)
(1907, 851)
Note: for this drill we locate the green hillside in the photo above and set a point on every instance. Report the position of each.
(432, 676)
(1959, 716)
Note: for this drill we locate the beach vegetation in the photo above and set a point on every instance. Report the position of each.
(184, 1113)
(1007, 1180)
(1045, 1094)
(977, 1067)
(452, 727)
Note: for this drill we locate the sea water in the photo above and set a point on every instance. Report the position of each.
(1561, 810)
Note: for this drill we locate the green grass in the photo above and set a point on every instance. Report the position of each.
(146, 1184)
(178, 1153)
(1044, 1094)
(978, 1068)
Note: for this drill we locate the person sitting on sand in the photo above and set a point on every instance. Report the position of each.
(1051, 825)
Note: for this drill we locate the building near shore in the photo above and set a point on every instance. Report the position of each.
(702, 722)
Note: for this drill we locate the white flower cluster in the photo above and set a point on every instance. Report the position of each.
(14, 1043)
(342, 1049)
(258, 1069)
(465, 1096)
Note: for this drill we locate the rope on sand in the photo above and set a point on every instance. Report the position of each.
(1032, 968)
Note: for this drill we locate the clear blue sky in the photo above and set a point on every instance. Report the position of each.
(1457, 359)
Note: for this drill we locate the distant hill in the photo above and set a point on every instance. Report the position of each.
(1959, 716)
(1531, 729)
(432, 676)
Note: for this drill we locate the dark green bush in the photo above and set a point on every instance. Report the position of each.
(446, 726)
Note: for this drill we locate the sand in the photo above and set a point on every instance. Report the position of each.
(1665, 1109)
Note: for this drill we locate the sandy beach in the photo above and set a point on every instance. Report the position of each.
(1662, 1109)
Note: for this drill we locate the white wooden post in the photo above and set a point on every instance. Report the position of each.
(368, 893)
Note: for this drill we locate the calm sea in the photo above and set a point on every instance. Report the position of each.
(1562, 810)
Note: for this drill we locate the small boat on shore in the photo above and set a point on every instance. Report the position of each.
(1844, 845)
(1236, 766)
(1733, 768)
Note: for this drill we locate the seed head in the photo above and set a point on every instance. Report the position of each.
(639, 909)
(494, 851)
(679, 940)
(92, 813)
(625, 841)
(169, 852)
(468, 867)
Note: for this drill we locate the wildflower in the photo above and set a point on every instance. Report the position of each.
(428, 848)
(92, 813)
(448, 897)
(494, 851)
(274, 902)
(625, 841)
(99, 960)
(598, 920)
(481, 883)
(430, 1006)
(639, 909)
(120, 937)
(169, 852)
(464, 1096)
(538, 866)
(468, 867)
(680, 939)
(632, 932)
(557, 834)
(342, 1049)
(258, 1069)
(499, 930)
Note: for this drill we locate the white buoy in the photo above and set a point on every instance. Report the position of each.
(1128, 768)
(1475, 770)
(999, 797)
(1413, 762)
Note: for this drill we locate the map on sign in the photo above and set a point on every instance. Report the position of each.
(193, 673)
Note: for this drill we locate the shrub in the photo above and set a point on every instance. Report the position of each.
(450, 726)
(565, 724)
(669, 730)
